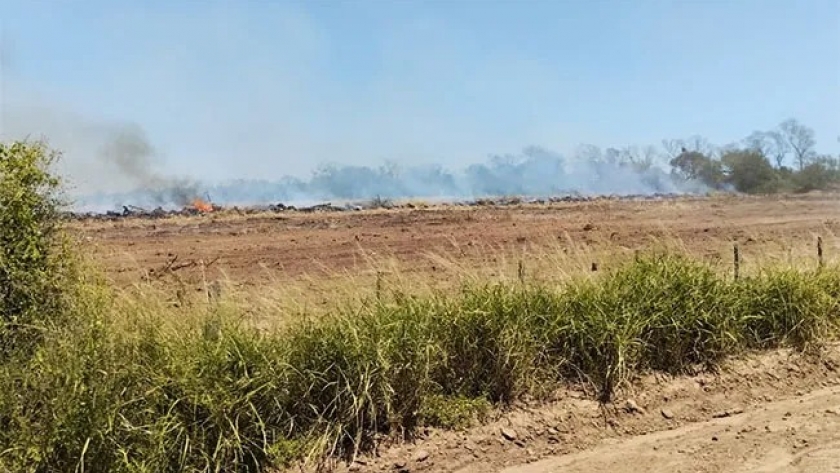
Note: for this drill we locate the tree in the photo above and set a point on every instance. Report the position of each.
(613, 156)
(36, 270)
(693, 165)
(639, 159)
(695, 143)
(589, 153)
(771, 144)
(801, 140)
(749, 171)
(820, 173)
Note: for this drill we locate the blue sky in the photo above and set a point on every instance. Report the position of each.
(245, 89)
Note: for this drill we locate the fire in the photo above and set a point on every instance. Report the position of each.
(202, 206)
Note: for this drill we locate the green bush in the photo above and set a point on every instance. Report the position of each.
(817, 175)
(453, 412)
(693, 165)
(750, 172)
(36, 270)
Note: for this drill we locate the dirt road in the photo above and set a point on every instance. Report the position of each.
(772, 412)
(796, 435)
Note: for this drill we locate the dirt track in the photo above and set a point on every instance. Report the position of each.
(774, 412)
(258, 247)
(795, 435)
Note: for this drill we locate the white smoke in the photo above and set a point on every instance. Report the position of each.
(536, 172)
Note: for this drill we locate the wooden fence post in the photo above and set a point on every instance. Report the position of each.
(820, 252)
(737, 260)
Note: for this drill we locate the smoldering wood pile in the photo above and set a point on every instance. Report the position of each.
(130, 211)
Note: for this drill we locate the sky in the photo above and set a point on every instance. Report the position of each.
(263, 89)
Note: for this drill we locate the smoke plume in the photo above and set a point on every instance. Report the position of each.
(111, 164)
(536, 172)
(116, 164)
(128, 151)
(99, 157)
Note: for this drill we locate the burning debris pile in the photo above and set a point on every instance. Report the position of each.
(202, 207)
(197, 207)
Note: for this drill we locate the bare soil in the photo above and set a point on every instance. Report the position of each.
(773, 412)
(799, 434)
(258, 248)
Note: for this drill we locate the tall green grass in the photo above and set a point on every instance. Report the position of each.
(131, 388)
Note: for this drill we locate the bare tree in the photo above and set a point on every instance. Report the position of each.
(640, 159)
(589, 153)
(781, 148)
(694, 143)
(728, 148)
(673, 148)
(612, 156)
(801, 140)
(701, 145)
(771, 144)
(650, 154)
(758, 141)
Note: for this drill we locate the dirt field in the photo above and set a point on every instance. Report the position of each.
(258, 248)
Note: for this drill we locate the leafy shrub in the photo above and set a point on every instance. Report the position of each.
(693, 165)
(453, 412)
(750, 172)
(36, 269)
(817, 175)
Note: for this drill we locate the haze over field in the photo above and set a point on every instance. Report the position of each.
(250, 102)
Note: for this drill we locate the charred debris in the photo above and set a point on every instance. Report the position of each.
(201, 208)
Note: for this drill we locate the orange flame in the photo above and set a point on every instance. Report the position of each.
(202, 206)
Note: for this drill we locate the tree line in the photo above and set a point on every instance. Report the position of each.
(784, 159)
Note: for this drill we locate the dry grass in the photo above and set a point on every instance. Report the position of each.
(546, 260)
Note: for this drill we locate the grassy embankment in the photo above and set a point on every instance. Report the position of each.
(96, 379)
